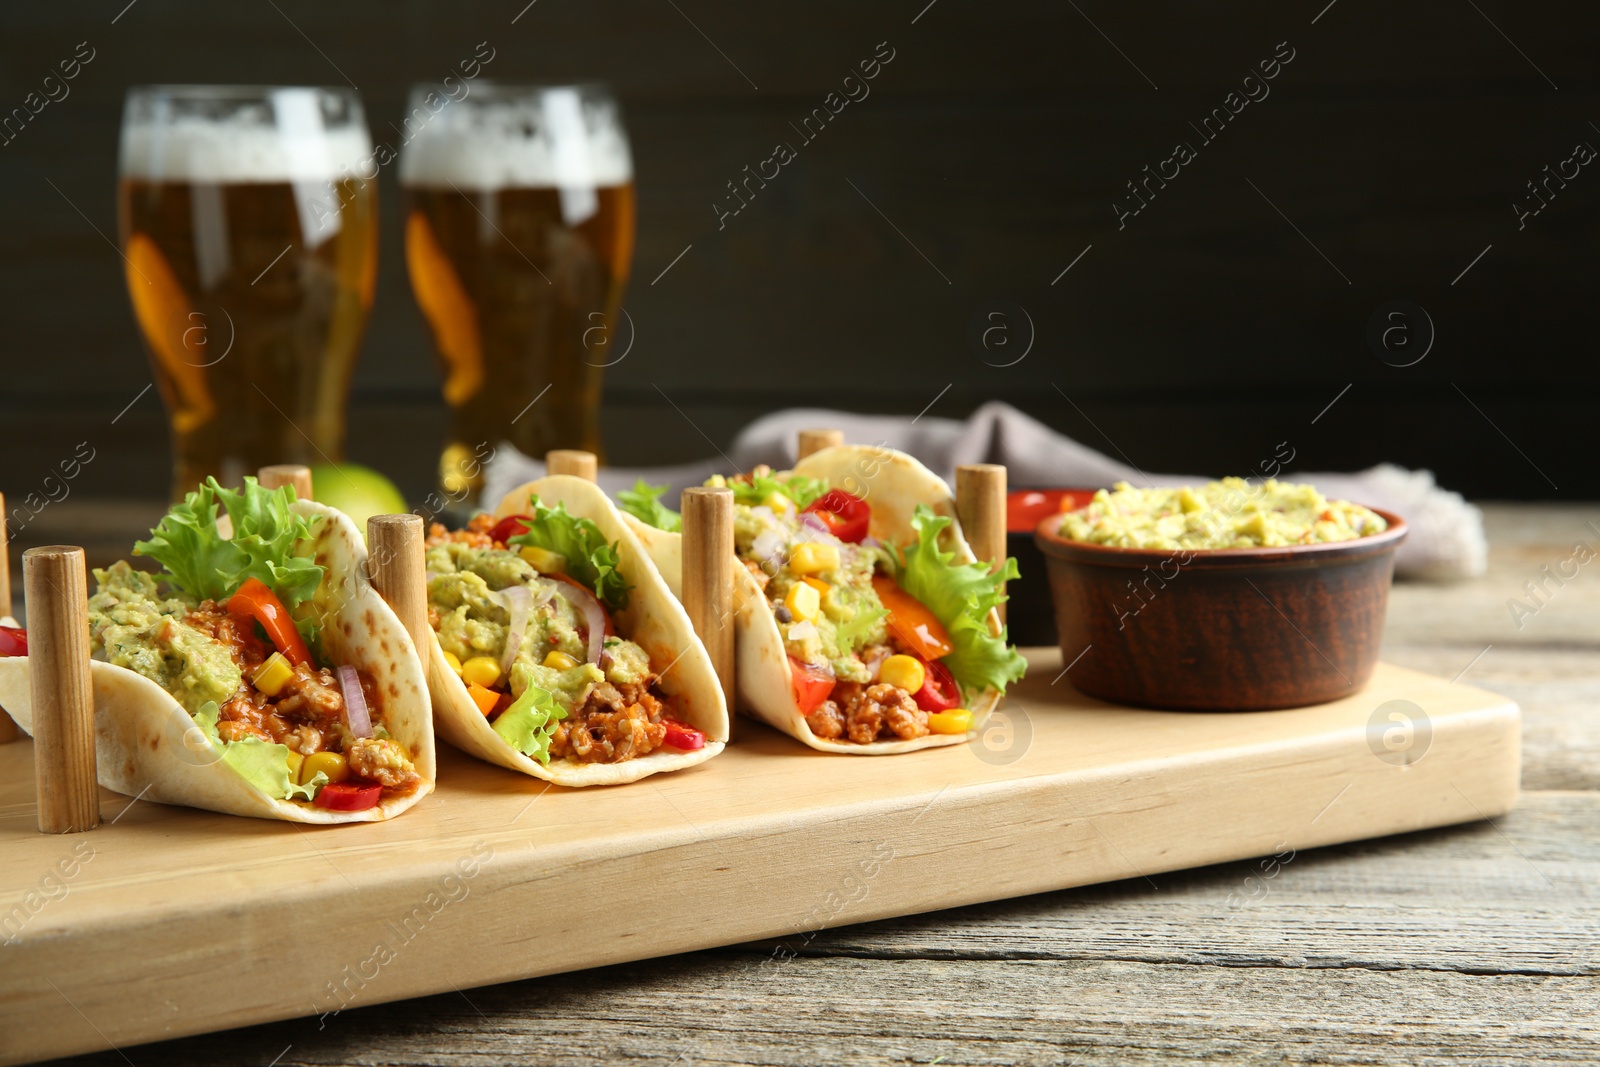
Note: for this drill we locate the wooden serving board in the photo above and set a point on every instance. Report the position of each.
(176, 922)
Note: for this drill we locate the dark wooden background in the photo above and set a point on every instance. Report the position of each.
(1195, 339)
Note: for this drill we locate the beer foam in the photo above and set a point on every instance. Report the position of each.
(552, 143)
(211, 150)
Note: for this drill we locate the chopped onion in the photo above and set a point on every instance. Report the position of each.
(768, 547)
(870, 542)
(521, 601)
(802, 630)
(355, 702)
(875, 664)
(809, 518)
(593, 616)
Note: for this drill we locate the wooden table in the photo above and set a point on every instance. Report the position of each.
(1477, 944)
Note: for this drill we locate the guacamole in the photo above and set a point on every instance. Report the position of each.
(132, 626)
(464, 583)
(850, 618)
(1231, 513)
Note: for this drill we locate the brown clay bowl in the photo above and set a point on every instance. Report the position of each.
(1236, 629)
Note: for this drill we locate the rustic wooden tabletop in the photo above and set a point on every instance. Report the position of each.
(1478, 944)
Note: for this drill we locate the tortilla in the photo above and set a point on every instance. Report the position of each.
(894, 484)
(653, 619)
(148, 746)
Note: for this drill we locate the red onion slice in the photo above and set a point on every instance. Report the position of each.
(520, 603)
(594, 616)
(355, 702)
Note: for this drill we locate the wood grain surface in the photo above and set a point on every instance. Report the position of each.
(770, 840)
(1471, 945)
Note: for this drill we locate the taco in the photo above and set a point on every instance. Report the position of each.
(560, 651)
(259, 673)
(864, 624)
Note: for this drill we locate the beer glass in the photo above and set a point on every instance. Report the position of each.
(519, 236)
(248, 220)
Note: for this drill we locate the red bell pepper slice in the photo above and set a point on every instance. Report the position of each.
(255, 599)
(844, 514)
(811, 685)
(13, 641)
(939, 690)
(509, 527)
(909, 620)
(349, 796)
(682, 735)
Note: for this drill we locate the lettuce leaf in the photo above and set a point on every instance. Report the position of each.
(309, 790)
(960, 595)
(590, 561)
(643, 502)
(261, 763)
(199, 560)
(527, 725)
(753, 489)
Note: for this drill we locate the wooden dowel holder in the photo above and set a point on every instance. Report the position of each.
(8, 729)
(281, 474)
(981, 507)
(55, 585)
(399, 573)
(816, 440)
(708, 563)
(579, 464)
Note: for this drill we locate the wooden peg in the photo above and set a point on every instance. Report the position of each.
(981, 507)
(816, 440)
(708, 563)
(399, 574)
(572, 461)
(281, 474)
(55, 583)
(8, 729)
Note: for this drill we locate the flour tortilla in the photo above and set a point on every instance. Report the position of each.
(894, 484)
(653, 619)
(147, 745)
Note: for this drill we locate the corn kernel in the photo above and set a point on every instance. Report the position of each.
(452, 661)
(480, 670)
(544, 561)
(780, 504)
(954, 721)
(559, 660)
(272, 674)
(330, 763)
(902, 672)
(814, 557)
(295, 760)
(803, 601)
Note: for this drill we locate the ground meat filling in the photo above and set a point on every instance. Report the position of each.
(863, 714)
(476, 534)
(307, 714)
(614, 723)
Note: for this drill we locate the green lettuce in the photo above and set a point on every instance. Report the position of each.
(199, 560)
(528, 724)
(960, 595)
(591, 562)
(753, 489)
(643, 502)
(261, 763)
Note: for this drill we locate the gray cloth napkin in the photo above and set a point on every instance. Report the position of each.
(1446, 539)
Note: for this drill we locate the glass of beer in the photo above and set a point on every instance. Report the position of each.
(519, 236)
(248, 219)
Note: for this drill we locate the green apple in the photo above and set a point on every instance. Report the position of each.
(359, 492)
